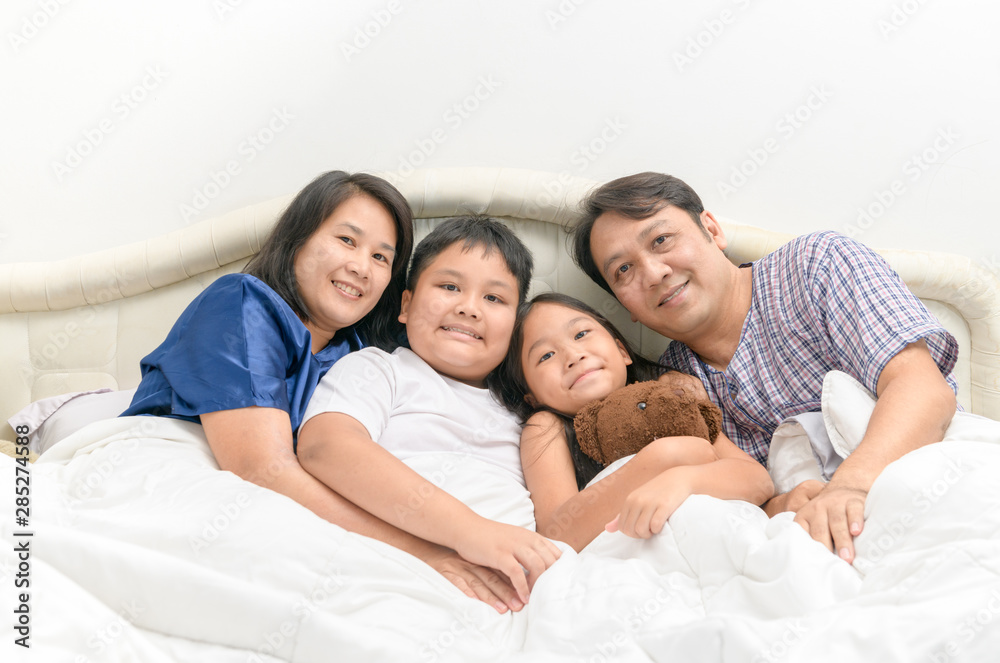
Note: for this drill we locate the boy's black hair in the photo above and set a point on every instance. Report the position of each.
(510, 387)
(474, 230)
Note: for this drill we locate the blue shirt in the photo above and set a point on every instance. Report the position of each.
(238, 344)
(821, 302)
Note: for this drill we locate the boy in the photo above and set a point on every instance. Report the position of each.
(463, 289)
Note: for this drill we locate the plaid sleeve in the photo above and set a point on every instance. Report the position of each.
(866, 309)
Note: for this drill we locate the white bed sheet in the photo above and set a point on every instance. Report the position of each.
(144, 551)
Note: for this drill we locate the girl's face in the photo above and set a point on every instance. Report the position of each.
(344, 267)
(569, 359)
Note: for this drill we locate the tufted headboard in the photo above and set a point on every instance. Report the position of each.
(85, 322)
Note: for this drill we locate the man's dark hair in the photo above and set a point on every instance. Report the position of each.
(638, 197)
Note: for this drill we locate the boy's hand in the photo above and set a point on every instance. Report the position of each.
(475, 581)
(647, 508)
(518, 553)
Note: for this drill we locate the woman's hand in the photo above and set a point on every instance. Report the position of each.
(473, 580)
(647, 508)
(794, 499)
(520, 554)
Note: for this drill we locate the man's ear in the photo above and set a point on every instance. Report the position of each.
(530, 400)
(625, 354)
(714, 230)
(404, 306)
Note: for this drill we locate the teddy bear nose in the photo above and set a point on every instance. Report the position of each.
(641, 406)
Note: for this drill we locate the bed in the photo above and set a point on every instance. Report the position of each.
(137, 548)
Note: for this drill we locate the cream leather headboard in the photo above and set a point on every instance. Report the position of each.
(85, 322)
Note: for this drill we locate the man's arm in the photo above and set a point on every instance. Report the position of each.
(915, 405)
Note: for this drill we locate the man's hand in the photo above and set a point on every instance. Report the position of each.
(834, 517)
(831, 514)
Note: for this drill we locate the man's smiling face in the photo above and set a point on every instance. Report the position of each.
(670, 274)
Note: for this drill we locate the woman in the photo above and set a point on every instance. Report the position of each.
(246, 355)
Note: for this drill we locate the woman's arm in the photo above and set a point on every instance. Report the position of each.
(255, 443)
(733, 476)
(337, 450)
(577, 517)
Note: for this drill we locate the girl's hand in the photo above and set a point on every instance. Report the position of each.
(520, 554)
(473, 580)
(646, 509)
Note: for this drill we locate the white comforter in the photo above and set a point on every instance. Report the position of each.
(144, 551)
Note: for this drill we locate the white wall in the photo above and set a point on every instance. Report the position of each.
(116, 113)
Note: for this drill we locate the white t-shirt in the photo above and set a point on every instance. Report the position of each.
(457, 436)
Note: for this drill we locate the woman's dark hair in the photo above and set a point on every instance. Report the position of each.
(510, 386)
(638, 197)
(274, 264)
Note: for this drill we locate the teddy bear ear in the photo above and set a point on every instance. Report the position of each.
(712, 415)
(585, 424)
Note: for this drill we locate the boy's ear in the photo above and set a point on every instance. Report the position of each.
(404, 306)
(625, 355)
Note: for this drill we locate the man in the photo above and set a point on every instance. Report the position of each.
(761, 336)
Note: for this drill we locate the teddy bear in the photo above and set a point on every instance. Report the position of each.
(631, 417)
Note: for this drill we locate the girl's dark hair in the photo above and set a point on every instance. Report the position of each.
(274, 264)
(510, 386)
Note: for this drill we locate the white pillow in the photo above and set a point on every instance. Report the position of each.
(52, 419)
(847, 407)
(811, 445)
(791, 457)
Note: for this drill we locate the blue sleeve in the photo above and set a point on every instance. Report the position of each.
(233, 347)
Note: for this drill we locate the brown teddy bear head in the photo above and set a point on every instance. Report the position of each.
(629, 418)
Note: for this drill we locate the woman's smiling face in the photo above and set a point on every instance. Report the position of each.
(344, 267)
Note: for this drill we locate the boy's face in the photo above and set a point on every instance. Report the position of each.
(460, 315)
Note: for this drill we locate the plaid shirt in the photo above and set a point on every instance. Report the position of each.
(822, 302)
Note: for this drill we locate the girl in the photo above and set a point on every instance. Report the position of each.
(564, 354)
